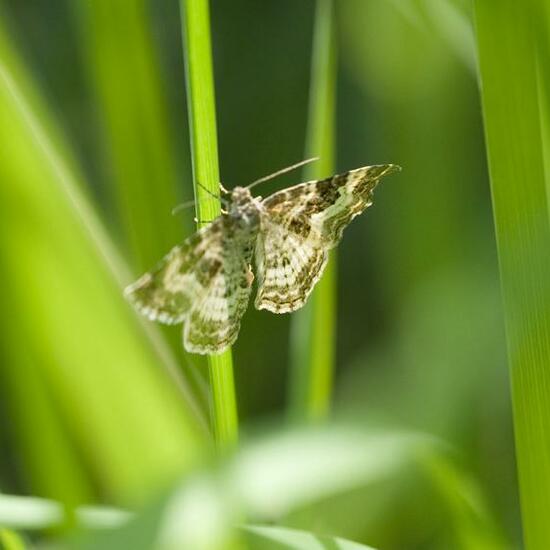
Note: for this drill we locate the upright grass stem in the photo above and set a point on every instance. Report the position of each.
(195, 20)
(507, 46)
(313, 330)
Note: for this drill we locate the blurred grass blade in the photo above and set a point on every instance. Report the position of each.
(314, 326)
(448, 20)
(48, 459)
(305, 466)
(308, 465)
(506, 45)
(472, 523)
(195, 516)
(131, 428)
(32, 513)
(10, 540)
(27, 513)
(195, 18)
(137, 153)
(261, 537)
(138, 146)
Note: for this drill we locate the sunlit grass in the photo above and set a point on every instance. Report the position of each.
(507, 49)
(313, 345)
(206, 177)
(85, 378)
(136, 140)
(98, 412)
(10, 540)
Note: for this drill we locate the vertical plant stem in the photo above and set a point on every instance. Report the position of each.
(204, 147)
(509, 89)
(313, 329)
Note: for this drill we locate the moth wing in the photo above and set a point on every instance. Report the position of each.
(204, 282)
(287, 268)
(214, 321)
(168, 292)
(299, 226)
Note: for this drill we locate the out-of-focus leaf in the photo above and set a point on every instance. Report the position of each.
(292, 469)
(143, 171)
(400, 73)
(313, 329)
(280, 538)
(448, 20)
(507, 45)
(473, 527)
(195, 516)
(281, 473)
(131, 427)
(268, 478)
(123, 70)
(199, 516)
(436, 366)
(29, 512)
(10, 540)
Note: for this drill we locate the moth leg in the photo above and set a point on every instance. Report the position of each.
(223, 189)
(202, 222)
(249, 276)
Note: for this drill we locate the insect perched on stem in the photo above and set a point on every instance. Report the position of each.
(206, 281)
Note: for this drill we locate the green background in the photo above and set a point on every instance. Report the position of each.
(97, 407)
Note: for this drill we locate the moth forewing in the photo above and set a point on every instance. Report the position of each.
(302, 224)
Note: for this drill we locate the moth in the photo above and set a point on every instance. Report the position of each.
(205, 282)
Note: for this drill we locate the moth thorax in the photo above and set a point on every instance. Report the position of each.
(240, 196)
(243, 207)
(242, 201)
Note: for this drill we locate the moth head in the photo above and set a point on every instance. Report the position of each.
(240, 196)
(243, 207)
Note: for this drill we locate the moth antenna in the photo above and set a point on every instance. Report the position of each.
(281, 172)
(182, 206)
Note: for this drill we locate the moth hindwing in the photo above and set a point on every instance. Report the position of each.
(206, 281)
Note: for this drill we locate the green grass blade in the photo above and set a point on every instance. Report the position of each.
(141, 175)
(138, 150)
(506, 45)
(313, 328)
(204, 145)
(445, 18)
(262, 537)
(472, 523)
(32, 514)
(10, 540)
(131, 427)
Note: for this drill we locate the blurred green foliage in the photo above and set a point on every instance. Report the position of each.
(515, 127)
(312, 337)
(94, 405)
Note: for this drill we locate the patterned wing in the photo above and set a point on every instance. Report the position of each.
(205, 282)
(299, 226)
